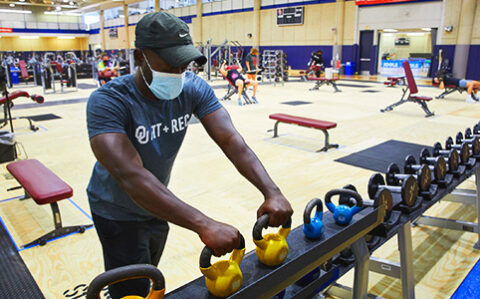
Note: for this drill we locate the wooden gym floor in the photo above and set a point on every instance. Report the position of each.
(204, 178)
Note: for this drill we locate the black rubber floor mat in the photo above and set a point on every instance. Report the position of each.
(371, 90)
(378, 157)
(42, 117)
(353, 85)
(15, 278)
(86, 86)
(296, 103)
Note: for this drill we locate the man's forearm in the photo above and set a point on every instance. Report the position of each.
(248, 164)
(150, 194)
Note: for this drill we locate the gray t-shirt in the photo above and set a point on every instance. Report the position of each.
(156, 129)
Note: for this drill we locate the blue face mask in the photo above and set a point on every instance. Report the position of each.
(164, 86)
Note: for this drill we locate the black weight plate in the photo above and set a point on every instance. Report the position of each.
(375, 181)
(409, 161)
(392, 170)
(424, 154)
(459, 138)
(449, 143)
(409, 191)
(344, 199)
(468, 133)
(437, 147)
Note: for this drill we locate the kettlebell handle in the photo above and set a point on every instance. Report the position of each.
(262, 222)
(126, 273)
(316, 202)
(350, 193)
(207, 253)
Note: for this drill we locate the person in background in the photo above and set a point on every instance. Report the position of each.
(106, 69)
(471, 85)
(316, 62)
(251, 63)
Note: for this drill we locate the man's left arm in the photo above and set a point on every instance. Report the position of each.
(220, 128)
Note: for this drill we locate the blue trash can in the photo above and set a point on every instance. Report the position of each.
(349, 68)
(15, 71)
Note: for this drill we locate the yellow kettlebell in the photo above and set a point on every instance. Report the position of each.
(113, 276)
(224, 277)
(272, 249)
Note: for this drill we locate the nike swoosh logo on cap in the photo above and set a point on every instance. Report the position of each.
(183, 35)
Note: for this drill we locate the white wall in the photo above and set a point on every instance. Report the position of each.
(402, 16)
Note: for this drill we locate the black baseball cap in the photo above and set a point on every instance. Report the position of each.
(169, 37)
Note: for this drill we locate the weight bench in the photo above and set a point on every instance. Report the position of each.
(232, 89)
(321, 81)
(393, 81)
(324, 126)
(44, 187)
(450, 89)
(412, 95)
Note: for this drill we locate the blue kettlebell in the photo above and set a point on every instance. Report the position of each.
(343, 214)
(313, 227)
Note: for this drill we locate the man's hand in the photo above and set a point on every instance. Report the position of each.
(220, 237)
(278, 208)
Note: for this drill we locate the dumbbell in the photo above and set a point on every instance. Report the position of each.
(438, 169)
(382, 195)
(394, 177)
(453, 159)
(408, 190)
(463, 149)
(473, 144)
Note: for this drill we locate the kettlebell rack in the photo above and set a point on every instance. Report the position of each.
(260, 281)
(306, 255)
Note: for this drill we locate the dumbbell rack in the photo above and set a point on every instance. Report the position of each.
(271, 63)
(404, 270)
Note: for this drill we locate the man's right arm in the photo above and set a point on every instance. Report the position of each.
(118, 155)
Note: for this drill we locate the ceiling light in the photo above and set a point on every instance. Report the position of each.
(12, 5)
(63, 13)
(65, 1)
(22, 0)
(58, 8)
(390, 30)
(29, 37)
(388, 34)
(66, 37)
(415, 34)
(427, 29)
(15, 11)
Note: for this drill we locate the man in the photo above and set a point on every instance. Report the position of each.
(471, 85)
(252, 64)
(233, 75)
(316, 63)
(136, 126)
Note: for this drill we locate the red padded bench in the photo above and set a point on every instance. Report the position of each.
(321, 81)
(44, 187)
(412, 95)
(393, 81)
(322, 125)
